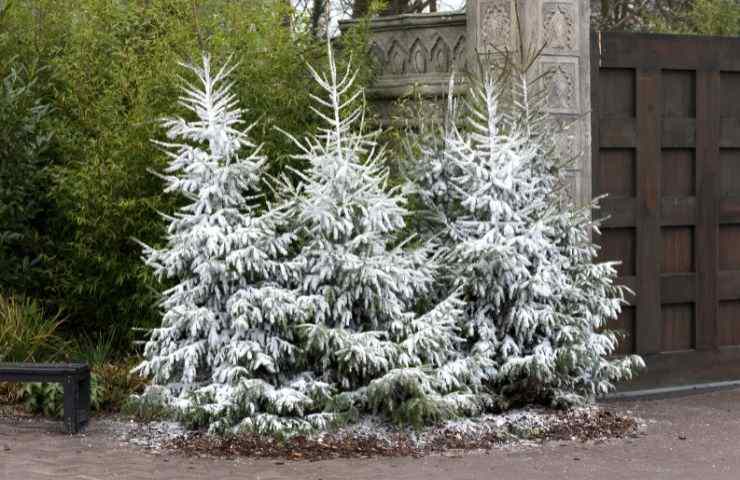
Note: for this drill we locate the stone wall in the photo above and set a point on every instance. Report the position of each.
(415, 52)
(420, 51)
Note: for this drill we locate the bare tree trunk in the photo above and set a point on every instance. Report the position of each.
(317, 12)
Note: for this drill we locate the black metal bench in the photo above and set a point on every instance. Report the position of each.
(75, 377)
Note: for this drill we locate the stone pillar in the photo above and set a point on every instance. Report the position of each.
(562, 25)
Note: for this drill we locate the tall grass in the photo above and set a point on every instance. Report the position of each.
(27, 334)
(95, 350)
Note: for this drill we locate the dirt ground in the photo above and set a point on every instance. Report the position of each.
(691, 437)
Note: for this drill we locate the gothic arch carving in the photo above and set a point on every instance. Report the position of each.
(459, 55)
(418, 58)
(441, 56)
(378, 57)
(396, 60)
(559, 24)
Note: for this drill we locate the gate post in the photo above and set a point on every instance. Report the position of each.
(563, 26)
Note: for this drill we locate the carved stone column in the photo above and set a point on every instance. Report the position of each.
(563, 26)
(491, 24)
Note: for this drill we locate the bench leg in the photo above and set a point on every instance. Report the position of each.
(83, 410)
(71, 402)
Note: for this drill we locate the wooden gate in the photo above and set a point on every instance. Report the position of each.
(666, 150)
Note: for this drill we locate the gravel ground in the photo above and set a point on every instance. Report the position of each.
(687, 438)
(368, 438)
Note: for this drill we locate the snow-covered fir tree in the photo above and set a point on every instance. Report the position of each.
(536, 301)
(291, 317)
(286, 319)
(227, 326)
(428, 172)
(365, 337)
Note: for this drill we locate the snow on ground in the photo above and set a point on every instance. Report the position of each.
(372, 436)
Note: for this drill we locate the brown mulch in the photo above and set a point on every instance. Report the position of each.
(295, 448)
(577, 425)
(582, 426)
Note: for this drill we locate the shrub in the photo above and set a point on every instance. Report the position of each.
(116, 384)
(44, 398)
(95, 350)
(27, 334)
(24, 181)
(151, 405)
(110, 75)
(111, 386)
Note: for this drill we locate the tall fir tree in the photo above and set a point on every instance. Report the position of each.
(366, 337)
(226, 332)
(536, 301)
(289, 318)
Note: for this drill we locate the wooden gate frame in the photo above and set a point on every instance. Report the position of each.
(705, 212)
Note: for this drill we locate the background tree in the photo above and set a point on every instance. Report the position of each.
(26, 210)
(700, 17)
(107, 69)
(361, 8)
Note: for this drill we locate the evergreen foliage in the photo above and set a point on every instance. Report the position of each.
(292, 316)
(227, 320)
(24, 177)
(302, 314)
(363, 286)
(108, 70)
(536, 301)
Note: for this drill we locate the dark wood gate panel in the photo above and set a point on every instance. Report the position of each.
(666, 150)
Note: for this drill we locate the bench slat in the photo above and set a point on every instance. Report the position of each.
(41, 369)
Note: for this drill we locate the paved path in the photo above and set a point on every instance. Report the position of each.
(694, 437)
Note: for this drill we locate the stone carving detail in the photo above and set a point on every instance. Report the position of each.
(494, 24)
(396, 63)
(459, 55)
(418, 58)
(559, 22)
(424, 49)
(378, 58)
(441, 56)
(561, 87)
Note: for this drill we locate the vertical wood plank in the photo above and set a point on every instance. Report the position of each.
(708, 192)
(595, 113)
(649, 324)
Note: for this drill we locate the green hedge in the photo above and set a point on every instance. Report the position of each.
(108, 72)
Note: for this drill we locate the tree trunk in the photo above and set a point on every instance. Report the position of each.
(317, 12)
